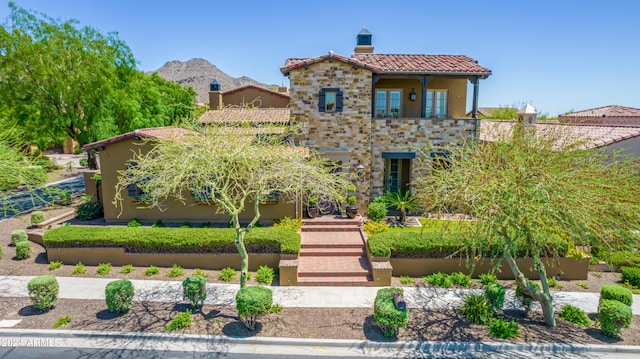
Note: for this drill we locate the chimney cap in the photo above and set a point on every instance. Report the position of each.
(214, 85)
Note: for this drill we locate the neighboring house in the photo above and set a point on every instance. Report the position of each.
(247, 96)
(613, 115)
(370, 111)
(610, 138)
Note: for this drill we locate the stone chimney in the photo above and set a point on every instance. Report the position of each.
(363, 45)
(215, 95)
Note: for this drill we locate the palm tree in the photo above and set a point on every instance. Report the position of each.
(403, 202)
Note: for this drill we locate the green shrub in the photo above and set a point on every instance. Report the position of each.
(460, 279)
(377, 211)
(205, 225)
(62, 321)
(375, 227)
(202, 273)
(151, 271)
(103, 268)
(613, 316)
(486, 278)
(616, 292)
(84, 162)
(194, 289)
(23, 249)
(252, 302)
(503, 329)
(574, 315)
(526, 300)
(43, 291)
(134, 223)
(119, 295)
(227, 274)
(265, 275)
(476, 309)
(37, 217)
(172, 240)
(63, 197)
(439, 280)
(46, 163)
(79, 269)
(186, 225)
(275, 309)
(18, 235)
(182, 320)
(624, 259)
(55, 265)
(631, 275)
(443, 240)
(127, 268)
(288, 223)
(157, 224)
(405, 279)
(175, 271)
(495, 295)
(387, 317)
(89, 210)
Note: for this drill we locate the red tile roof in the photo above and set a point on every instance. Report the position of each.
(606, 111)
(296, 63)
(169, 132)
(604, 116)
(424, 64)
(247, 115)
(237, 89)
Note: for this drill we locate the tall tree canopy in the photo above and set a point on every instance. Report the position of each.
(529, 189)
(60, 80)
(233, 169)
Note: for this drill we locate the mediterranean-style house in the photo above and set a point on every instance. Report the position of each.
(371, 111)
(368, 112)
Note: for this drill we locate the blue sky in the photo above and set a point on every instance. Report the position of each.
(557, 55)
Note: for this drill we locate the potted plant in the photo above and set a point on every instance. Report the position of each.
(352, 210)
(312, 207)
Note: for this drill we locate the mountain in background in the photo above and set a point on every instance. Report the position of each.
(198, 73)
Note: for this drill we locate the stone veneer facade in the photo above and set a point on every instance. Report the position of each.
(353, 136)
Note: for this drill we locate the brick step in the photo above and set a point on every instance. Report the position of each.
(328, 220)
(354, 281)
(325, 239)
(330, 228)
(332, 251)
(333, 266)
(332, 245)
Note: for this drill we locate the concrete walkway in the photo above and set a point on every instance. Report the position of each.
(333, 297)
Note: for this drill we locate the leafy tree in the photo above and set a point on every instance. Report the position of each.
(59, 79)
(232, 169)
(528, 188)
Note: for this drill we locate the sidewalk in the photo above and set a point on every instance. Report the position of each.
(332, 297)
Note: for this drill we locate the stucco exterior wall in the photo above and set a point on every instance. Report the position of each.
(115, 158)
(346, 132)
(255, 97)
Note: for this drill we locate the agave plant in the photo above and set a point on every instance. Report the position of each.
(403, 202)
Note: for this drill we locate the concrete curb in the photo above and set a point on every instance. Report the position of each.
(109, 337)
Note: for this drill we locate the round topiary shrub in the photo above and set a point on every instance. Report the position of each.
(631, 275)
(37, 217)
(43, 291)
(495, 295)
(23, 249)
(18, 235)
(616, 292)
(388, 318)
(194, 289)
(252, 302)
(613, 316)
(119, 295)
(377, 211)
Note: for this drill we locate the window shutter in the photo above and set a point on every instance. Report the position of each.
(321, 101)
(132, 190)
(339, 101)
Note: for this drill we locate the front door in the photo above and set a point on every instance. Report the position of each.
(397, 174)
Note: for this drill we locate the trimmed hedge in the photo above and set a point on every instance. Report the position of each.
(43, 291)
(119, 295)
(173, 240)
(23, 249)
(613, 316)
(631, 275)
(388, 318)
(252, 302)
(616, 292)
(18, 235)
(194, 289)
(439, 244)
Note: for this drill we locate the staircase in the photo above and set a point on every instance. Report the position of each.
(333, 253)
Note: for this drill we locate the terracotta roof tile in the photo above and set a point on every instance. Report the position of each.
(606, 111)
(283, 94)
(247, 115)
(427, 64)
(297, 62)
(169, 132)
(592, 136)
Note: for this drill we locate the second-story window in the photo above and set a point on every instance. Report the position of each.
(436, 104)
(388, 103)
(330, 100)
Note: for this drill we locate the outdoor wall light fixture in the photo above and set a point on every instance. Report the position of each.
(360, 172)
(412, 95)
